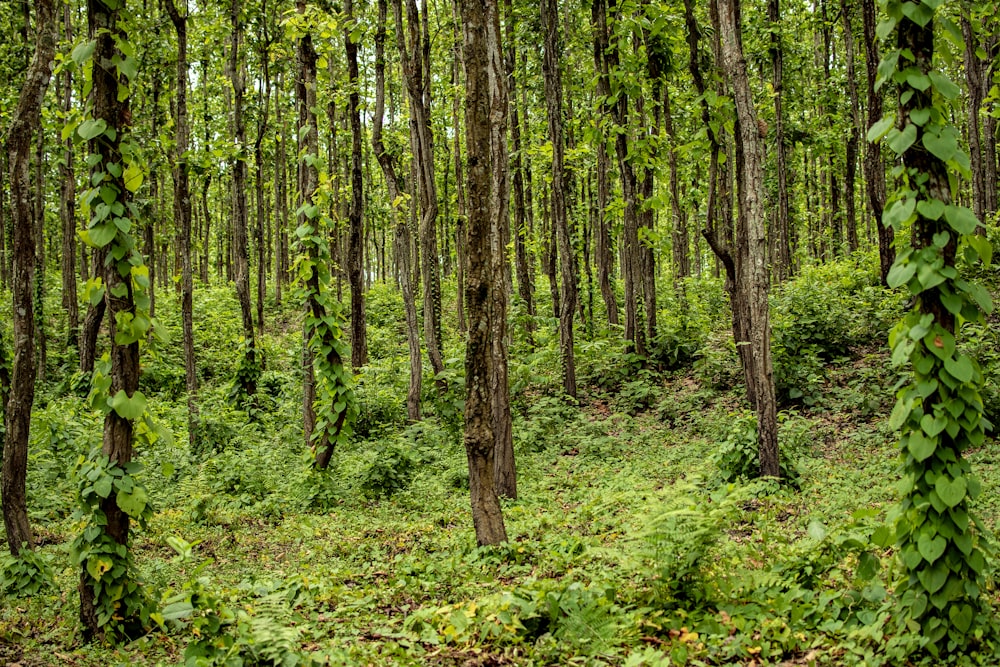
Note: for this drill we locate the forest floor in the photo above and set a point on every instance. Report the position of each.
(627, 544)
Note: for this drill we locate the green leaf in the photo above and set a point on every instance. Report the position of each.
(931, 208)
(133, 176)
(961, 616)
(898, 212)
(943, 146)
(920, 447)
(102, 487)
(83, 52)
(900, 274)
(97, 566)
(961, 219)
(960, 368)
(920, 116)
(944, 85)
(933, 578)
(899, 141)
(133, 504)
(899, 414)
(918, 13)
(931, 549)
(879, 129)
(932, 425)
(128, 408)
(91, 128)
(951, 492)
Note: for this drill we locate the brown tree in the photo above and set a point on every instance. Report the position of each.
(25, 122)
(479, 442)
(355, 233)
(873, 167)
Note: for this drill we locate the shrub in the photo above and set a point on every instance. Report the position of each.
(391, 471)
(737, 456)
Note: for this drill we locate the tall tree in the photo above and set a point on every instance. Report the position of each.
(602, 247)
(25, 122)
(67, 205)
(247, 377)
(355, 233)
(412, 38)
(388, 162)
(873, 166)
(182, 214)
(751, 238)
(782, 242)
(487, 516)
(125, 279)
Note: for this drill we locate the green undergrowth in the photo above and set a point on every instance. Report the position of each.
(638, 538)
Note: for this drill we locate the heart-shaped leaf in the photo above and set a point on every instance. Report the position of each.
(943, 146)
(128, 408)
(931, 208)
(931, 425)
(950, 491)
(921, 446)
(931, 548)
(900, 141)
(933, 578)
(960, 368)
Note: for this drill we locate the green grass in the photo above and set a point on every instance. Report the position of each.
(625, 547)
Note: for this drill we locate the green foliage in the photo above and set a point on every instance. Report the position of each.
(26, 575)
(738, 456)
(336, 404)
(940, 409)
(248, 372)
(122, 607)
(391, 471)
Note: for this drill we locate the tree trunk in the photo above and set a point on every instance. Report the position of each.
(681, 252)
(751, 244)
(387, 162)
(240, 243)
(263, 210)
(874, 169)
(603, 232)
(505, 470)
(67, 210)
(982, 145)
(355, 245)
(567, 258)
(479, 443)
(182, 219)
(119, 294)
(524, 286)
(854, 138)
(413, 41)
(25, 121)
(783, 248)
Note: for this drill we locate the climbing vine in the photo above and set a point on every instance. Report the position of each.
(335, 404)
(113, 603)
(940, 410)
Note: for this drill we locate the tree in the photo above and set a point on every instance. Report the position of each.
(751, 240)
(567, 257)
(25, 122)
(487, 516)
(873, 167)
(110, 601)
(388, 162)
(182, 216)
(940, 411)
(355, 233)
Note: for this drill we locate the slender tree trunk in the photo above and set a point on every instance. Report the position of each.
(782, 244)
(280, 201)
(681, 252)
(752, 279)
(854, 138)
(567, 258)
(524, 286)
(460, 200)
(982, 135)
(388, 163)
(603, 232)
(17, 411)
(240, 242)
(874, 169)
(479, 440)
(412, 41)
(182, 218)
(262, 218)
(505, 470)
(67, 210)
(355, 245)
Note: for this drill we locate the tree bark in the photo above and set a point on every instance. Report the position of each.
(67, 210)
(413, 41)
(182, 218)
(603, 232)
(355, 234)
(874, 169)
(478, 438)
(782, 242)
(751, 248)
(854, 138)
(387, 162)
(25, 121)
(567, 258)
(240, 243)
